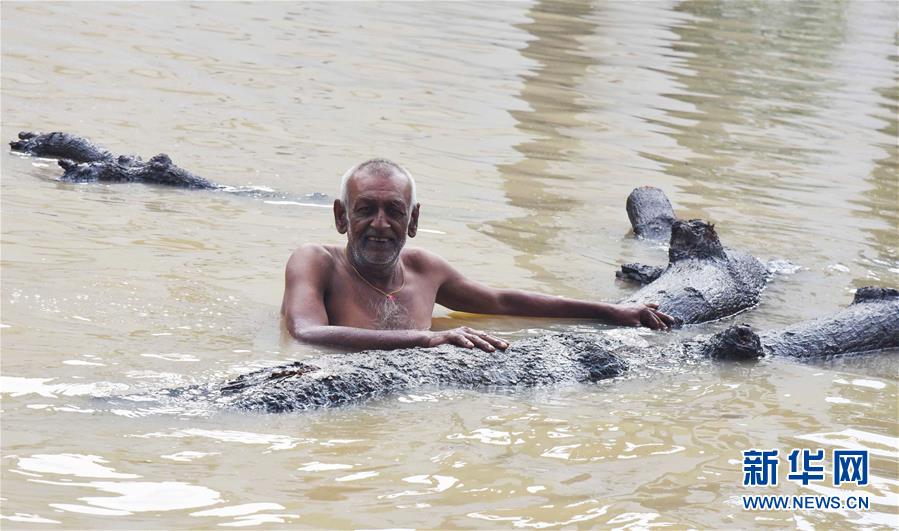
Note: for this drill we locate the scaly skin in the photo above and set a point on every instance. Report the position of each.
(703, 280)
(327, 381)
(158, 170)
(651, 216)
(868, 324)
(871, 322)
(341, 379)
(650, 213)
(59, 145)
(639, 273)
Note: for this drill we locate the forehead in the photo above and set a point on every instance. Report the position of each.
(379, 186)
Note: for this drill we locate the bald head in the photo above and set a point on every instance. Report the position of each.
(376, 168)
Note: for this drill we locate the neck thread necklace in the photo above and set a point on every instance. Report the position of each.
(388, 295)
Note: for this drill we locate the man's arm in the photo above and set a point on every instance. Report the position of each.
(303, 308)
(460, 293)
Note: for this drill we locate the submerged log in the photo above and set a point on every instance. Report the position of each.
(83, 161)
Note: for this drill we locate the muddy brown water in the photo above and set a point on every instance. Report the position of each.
(526, 125)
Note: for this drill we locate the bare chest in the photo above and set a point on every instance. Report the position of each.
(350, 302)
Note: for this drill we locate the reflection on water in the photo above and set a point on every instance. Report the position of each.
(879, 202)
(550, 90)
(527, 124)
(764, 80)
(750, 77)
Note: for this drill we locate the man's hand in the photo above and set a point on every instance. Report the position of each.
(647, 315)
(468, 338)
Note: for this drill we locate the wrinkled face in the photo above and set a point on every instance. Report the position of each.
(378, 217)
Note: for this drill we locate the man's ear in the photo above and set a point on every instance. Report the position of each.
(413, 223)
(340, 217)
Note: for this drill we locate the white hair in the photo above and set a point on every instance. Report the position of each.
(382, 165)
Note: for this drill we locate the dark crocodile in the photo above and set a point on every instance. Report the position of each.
(639, 273)
(345, 378)
(703, 280)
(83, 161)
(870, 323)
(651, 216)
(59, 145)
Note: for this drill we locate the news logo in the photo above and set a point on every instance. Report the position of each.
(760, 468)
(805, 471)
(806, 466)
(850, 466)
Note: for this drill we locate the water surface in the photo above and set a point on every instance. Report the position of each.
(526, 125)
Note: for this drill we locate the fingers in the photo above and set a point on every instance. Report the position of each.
(496, 342)
(658, 320)
(480, 343)
(493, 341)
(655, 323)
(649, 319)
(460, 340)
(470, 338)
(667, 319)
(465, 339)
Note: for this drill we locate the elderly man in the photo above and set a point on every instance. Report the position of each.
(375, 293)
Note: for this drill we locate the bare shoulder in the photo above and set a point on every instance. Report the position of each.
(311, 258)
(425, 261)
